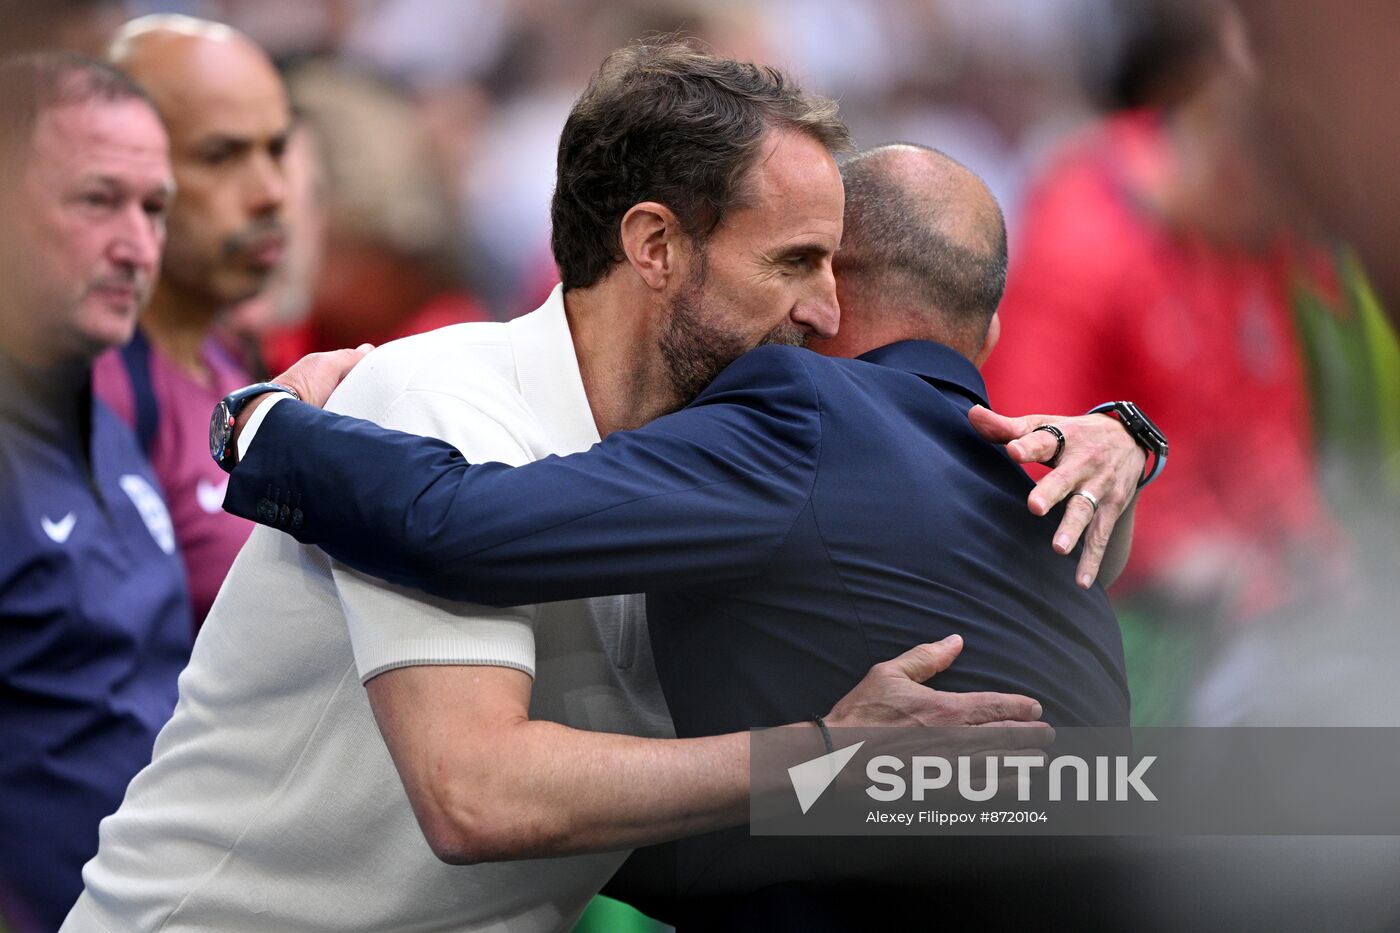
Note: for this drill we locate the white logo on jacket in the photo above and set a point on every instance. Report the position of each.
(58, 531)
(210, 495)
(152, 508)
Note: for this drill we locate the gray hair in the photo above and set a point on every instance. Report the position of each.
(35, 82)
(907, 242)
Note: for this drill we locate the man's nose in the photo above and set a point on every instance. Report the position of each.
(139, 241)
(267, 185)
(819, 314)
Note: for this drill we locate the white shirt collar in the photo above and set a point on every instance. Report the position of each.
(548, 370)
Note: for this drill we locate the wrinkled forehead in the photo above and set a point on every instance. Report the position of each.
(793, 188)
(791, 163)
(122, 141)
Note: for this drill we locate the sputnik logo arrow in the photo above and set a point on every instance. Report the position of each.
(811, 778)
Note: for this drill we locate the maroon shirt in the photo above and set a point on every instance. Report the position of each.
(208, 537)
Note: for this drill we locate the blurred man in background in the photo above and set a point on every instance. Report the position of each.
(226, 111)
(388, 267)
(1327, 103)
(286, 301)
(92, 595)
(1155, 261)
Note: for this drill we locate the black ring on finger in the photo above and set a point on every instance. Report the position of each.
(1059, 443)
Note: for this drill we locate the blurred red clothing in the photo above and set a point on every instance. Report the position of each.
(1105, 301)
(283, 348)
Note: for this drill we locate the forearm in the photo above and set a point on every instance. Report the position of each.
(487, 783)
(555, 791)
(1120, 546)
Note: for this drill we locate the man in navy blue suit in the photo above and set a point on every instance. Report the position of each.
(803, 518)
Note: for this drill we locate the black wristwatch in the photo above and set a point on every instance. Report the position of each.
(1149, 437)
(221, 446)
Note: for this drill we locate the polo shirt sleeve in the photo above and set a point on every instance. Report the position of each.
(395, 626)
(703, 497)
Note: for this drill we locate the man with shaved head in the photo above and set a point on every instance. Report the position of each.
(923, 254)
(226, 110)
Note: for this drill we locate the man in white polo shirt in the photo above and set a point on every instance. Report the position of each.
(272, 801)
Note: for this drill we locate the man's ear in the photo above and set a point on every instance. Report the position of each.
(651, 238)
(989, 343)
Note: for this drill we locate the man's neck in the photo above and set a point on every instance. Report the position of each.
(863, 331)
(615, 342)
(45, 366)
(37, 389)
(178, 323)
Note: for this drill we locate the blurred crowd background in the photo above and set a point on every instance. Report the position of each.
(434, 122)
(1155, 256)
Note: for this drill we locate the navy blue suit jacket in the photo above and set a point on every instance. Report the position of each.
(801, 520)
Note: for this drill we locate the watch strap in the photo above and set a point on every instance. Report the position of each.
(226, 415)
(1142, 430)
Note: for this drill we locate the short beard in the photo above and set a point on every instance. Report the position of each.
(695, 351)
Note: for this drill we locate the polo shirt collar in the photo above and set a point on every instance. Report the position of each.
(549, 375)
(934, 362)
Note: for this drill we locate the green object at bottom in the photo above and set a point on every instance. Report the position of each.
(1163, 658)
(605, 915)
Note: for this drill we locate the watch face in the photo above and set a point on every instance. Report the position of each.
(219, 425)
(1145, 429)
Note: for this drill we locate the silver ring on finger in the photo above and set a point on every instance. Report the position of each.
(1089, 497)
(1059, 443)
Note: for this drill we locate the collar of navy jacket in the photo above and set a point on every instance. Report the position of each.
(934, 362)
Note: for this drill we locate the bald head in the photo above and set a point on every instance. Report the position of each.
(183, 61)
(225, 108)
(923, 255)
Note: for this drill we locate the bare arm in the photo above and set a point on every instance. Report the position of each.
(1118, 549)
(487, 783)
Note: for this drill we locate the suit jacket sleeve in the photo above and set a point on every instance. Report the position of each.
(701, 497)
